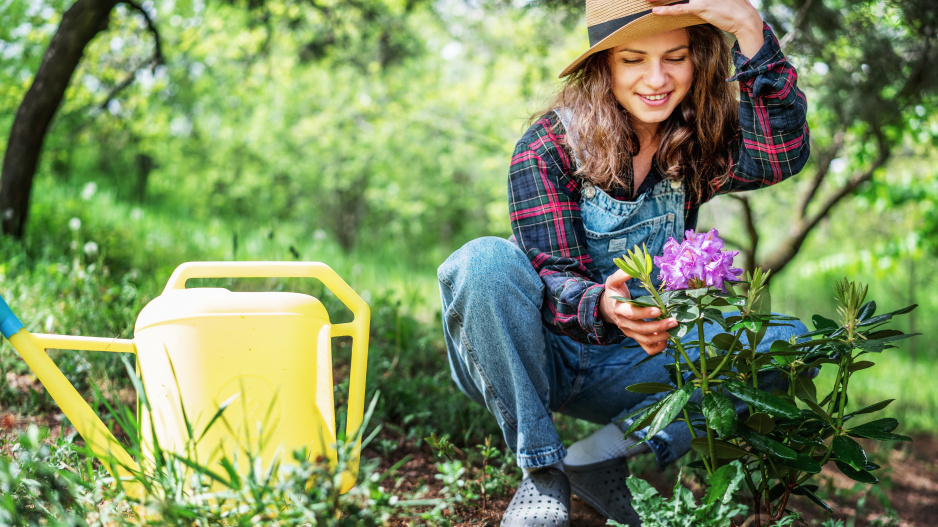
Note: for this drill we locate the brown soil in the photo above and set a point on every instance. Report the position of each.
(907, 495)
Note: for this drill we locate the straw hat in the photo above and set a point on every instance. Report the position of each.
(611, 23)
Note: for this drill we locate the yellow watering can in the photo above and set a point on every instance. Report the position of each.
(263, 358)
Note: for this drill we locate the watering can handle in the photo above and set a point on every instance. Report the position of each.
(357, 329)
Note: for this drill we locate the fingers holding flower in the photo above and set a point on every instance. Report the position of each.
(638, 323)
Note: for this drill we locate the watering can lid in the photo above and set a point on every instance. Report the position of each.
(211, 301)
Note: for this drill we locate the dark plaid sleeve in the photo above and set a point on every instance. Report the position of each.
(543, 201)
(774, 143)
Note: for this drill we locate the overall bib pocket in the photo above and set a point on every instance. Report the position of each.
(615, 227)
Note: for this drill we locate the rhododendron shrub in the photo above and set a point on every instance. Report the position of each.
(787, 436)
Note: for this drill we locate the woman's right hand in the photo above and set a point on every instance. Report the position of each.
(652, 335)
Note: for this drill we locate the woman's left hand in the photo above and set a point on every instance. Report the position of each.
(738, 17)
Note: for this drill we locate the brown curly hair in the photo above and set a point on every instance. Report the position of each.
(694, 138)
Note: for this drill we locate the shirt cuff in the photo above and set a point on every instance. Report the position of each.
(768, 58)
(597, 330)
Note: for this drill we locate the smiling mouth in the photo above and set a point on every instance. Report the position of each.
(658, 97)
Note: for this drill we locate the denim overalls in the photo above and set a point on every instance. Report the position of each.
(502, 356)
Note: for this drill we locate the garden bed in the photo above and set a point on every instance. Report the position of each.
(906, 497)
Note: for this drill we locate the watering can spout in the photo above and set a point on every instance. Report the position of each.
(99, 439)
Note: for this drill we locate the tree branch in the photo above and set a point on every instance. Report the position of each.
(154, 61)
(796, 25)
(789, 248)
(824, 165)
(749, 221)
(151, 27)
(913, 84)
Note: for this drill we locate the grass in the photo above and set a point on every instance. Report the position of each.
(58, 283)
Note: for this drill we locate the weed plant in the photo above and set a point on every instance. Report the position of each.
(56, 483)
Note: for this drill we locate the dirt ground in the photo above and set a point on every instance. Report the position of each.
(907, 495)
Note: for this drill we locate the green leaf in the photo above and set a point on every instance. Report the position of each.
(627, 266)
(636, 303)
(719, 412)
(671, 406)
(645, 498)
(761, 422)
(747, 323)
(724, 482)
(886, 316)
(803, 462)
(686, 314)
(650, 387)
(881, 334)
(881, 436)
(861, 365)
(880, 429)
(871, 408)
(849, 451)
(819, 411)
(716, 316)
(680, 330)
(806, 441)
(781, 346)
(871, 346)
(767, 445)
(723, 449)
(857, 475)
(808, 491)
(805, 389)
(647, 414)
(724, 341)
(731, 298)
(762, 401)
(866, 311)
(697, 293)
(887, 424)
(878, 345)
(822, 322)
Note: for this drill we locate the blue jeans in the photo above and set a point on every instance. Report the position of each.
(502, 356)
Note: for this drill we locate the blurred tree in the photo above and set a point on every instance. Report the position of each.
(868, 68)
(80, 24)
(393, 119)
(357, 31)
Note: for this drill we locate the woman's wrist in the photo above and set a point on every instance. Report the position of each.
(750, 36)
(602, 306)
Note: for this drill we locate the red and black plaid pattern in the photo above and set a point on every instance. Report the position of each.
(544, 193)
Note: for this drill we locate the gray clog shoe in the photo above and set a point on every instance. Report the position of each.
(542, 500)
(602, 485)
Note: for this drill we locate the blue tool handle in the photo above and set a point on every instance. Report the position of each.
(9, 324)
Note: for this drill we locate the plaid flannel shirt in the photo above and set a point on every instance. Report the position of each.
(544, 193)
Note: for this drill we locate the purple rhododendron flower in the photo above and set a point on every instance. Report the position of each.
(698, 261)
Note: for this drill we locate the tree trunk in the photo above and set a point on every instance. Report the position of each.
(80, 24)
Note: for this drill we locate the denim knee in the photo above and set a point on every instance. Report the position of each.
(486, 265)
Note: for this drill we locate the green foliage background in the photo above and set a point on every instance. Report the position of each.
(375, 136)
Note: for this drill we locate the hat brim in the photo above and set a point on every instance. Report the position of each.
(645, 26)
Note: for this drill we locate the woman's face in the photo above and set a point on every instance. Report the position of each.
(651, 76)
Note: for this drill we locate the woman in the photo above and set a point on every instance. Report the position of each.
(645, 130)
